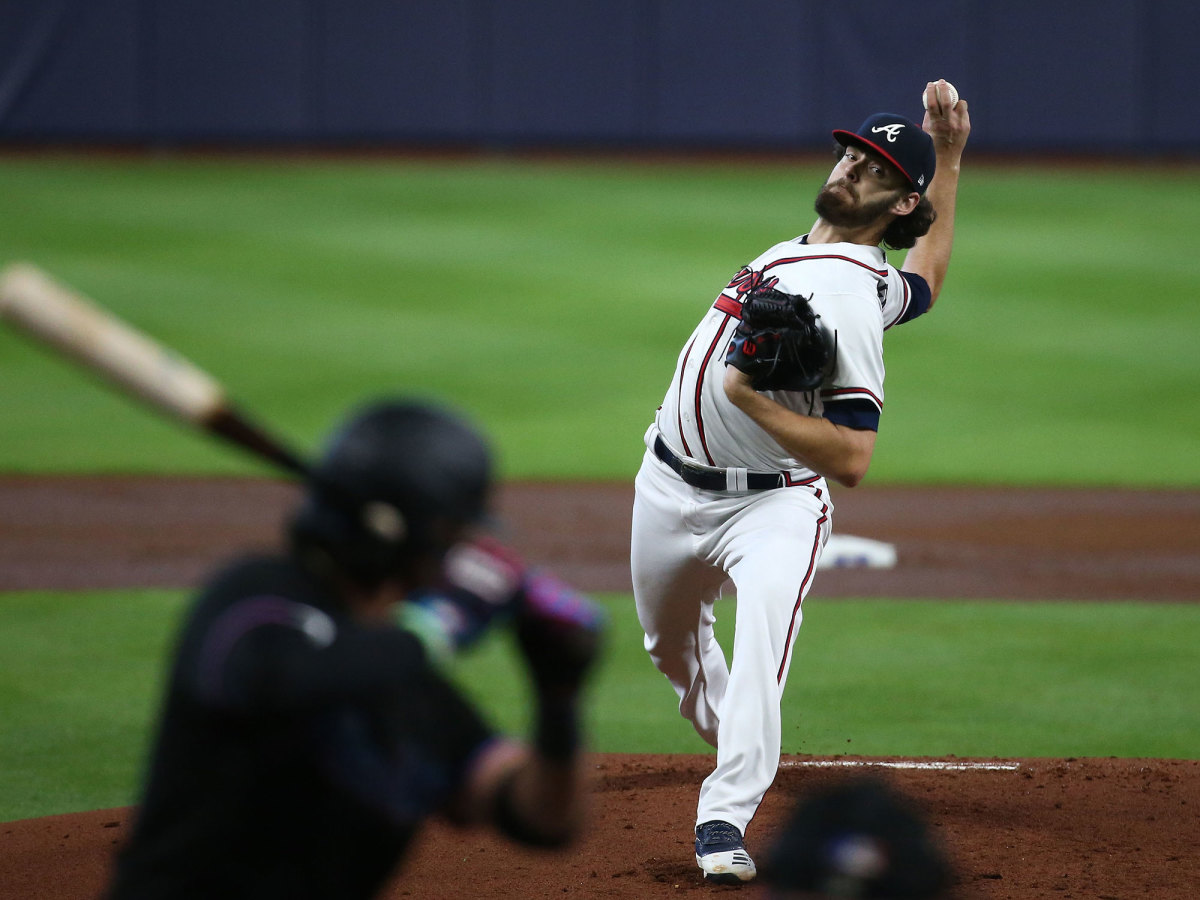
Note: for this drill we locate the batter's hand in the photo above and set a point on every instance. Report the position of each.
(560, 632)
(948, 125)
(482, 583)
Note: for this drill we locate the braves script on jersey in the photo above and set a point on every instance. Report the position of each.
(858, 296)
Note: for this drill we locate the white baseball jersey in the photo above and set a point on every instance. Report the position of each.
(687, 540)
(857, 294)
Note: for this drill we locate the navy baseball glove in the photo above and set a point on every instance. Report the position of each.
(780, 344)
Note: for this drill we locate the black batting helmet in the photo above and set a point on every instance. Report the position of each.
(396, 482)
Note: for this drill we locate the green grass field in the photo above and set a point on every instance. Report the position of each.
(82, 677)
(549, 300)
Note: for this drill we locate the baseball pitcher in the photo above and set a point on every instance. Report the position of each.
(778, 391)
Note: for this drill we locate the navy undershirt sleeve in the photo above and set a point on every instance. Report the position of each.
(861, 414)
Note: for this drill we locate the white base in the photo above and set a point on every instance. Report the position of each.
(845, 551)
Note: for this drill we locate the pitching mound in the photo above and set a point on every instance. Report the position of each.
(1065, 829)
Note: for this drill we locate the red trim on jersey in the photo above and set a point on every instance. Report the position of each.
(903, 306)
(839, 393)
(882, 273)
(808, 575)
(717, 342)
(729, 306)
(788, 481)
(679, 400)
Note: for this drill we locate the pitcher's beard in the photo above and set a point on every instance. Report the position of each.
(839, 209)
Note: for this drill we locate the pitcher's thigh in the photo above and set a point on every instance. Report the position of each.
(670, 583)
(773, 561)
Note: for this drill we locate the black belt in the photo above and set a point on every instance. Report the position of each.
(711, 479)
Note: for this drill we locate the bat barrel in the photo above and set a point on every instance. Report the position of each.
(70, 323)
(102, 343)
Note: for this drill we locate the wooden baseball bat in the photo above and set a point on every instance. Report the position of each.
(76, 327)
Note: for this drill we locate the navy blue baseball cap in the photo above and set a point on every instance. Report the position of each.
(900, 142)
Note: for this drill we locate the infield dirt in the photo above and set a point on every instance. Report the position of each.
(1063, 828)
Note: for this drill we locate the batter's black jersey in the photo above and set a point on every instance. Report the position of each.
(298, 749)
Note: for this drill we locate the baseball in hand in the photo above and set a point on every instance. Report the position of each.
(951, 93)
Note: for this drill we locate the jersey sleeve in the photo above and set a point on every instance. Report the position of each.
(908, 296)
(854, 394)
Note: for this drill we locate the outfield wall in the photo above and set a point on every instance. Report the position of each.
(1109, 75)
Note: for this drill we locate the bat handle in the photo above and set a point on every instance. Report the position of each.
(227, 422)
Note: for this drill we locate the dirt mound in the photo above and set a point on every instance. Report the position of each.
(1080, 828)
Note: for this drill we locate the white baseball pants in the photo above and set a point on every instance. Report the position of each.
(685, 544)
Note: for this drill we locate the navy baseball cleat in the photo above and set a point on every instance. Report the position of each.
(721, 855)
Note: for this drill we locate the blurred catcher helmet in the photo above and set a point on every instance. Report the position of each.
(859, 838)
(397, 481)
